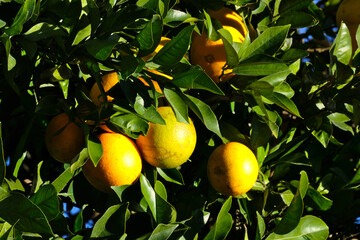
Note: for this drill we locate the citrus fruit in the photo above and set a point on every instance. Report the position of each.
(232, 169)
(108, 81)
(155, 83)
(211, 55)
(64, 139)
(170, 145)
(348, 12)
(119, 165)
(163, 42)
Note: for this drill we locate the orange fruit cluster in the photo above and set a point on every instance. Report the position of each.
(232, 168)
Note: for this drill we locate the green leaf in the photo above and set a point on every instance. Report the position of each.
(163, 231)
(232, 58)
(269, 42)
(171, 175)
(112, 223)
(293, 214)
(204, 113)
(178, 104)
(324, 132)
(293, 5)
(11, 61)
(119, 190)
(94, 148)
(46, 199)
(2, 158)
(163, 212)
(223, 223)
(340, 120)
(309, 227)
(297, 20)
(9, 234)
(174, 50)
(16, 208)
(260, 68)
(341, 48)
(61, 181)
(130, 124)
(175, 17)
(196, 78)
(24, 14)
(42, 31)
(149, 38)
(261, 226)
(82, 34)
(100, 48)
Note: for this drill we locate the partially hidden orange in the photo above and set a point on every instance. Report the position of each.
(170, 145)
(119, 165)
(64, 139)
(211, 55)
(348, 12)
(108, 81)
(232, 169)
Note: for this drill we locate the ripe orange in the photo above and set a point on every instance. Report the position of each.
(64, 139)
(348, 12)
(170, 145)
(163, 42)
(119, 165)
(108, 81)
(232, 169)
(211, 55)
(156, 84)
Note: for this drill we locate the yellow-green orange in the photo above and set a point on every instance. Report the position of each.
(211, 55)
(170, 145)
(64, 139)
(232, 169)
(119, 165)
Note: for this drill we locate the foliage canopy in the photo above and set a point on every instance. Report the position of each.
(295, 101)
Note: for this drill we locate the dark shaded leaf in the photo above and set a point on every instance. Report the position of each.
(196, 78)
(46, 199)
(174, 50)
(16, 208)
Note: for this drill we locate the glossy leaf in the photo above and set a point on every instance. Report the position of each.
(42, 31)
(149, 37)
(171, 175)
(112, 223)
(16, 208)
(178, 104)
(174, 50)
(163, 231)
(94, 149)
(260, 68)
(196, 78)
(24, 14)
(297, 20)
(341, 48)
(293, 214)
(162, 211)
(46, 199)
(100, 49)
(204, 113)
(269, 42)
(309, 227)
(289, 5)
(223, 222)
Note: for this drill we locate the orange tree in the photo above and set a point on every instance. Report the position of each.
(292, 97)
